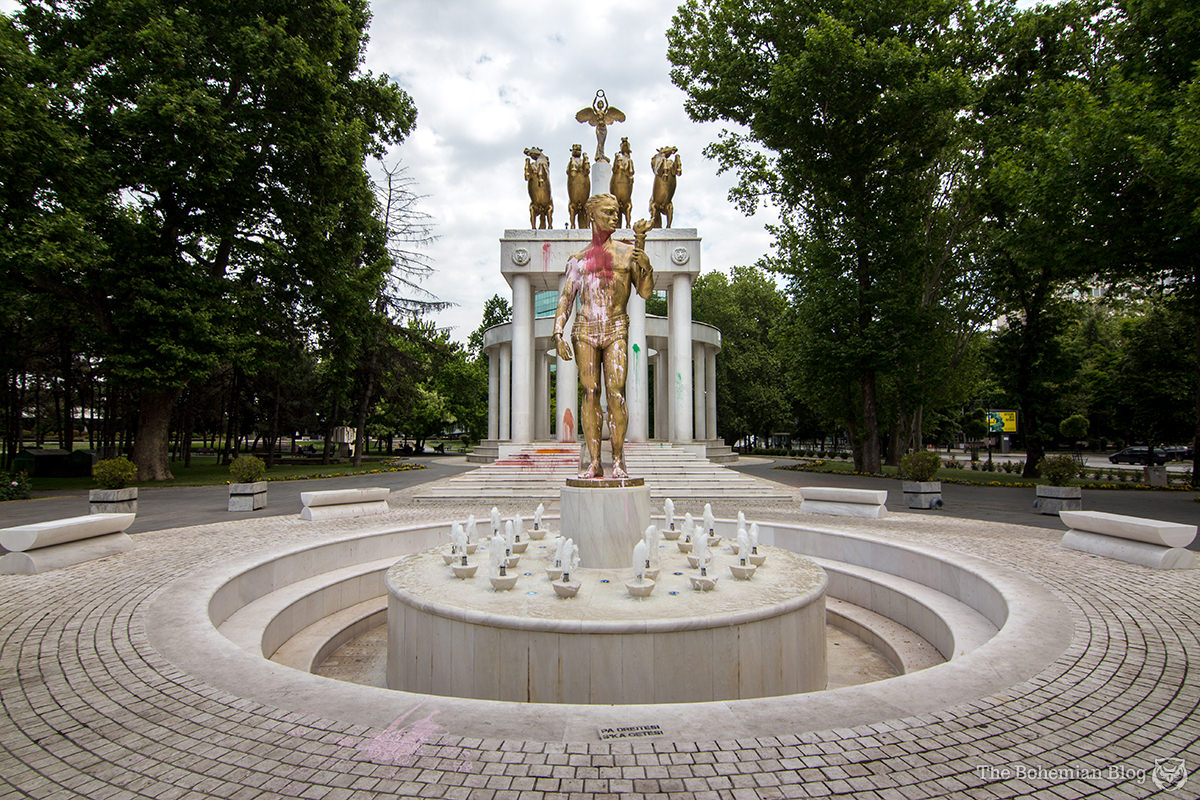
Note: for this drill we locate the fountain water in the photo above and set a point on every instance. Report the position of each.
(538, 531)
(570, 563)
(743, 570)
(642, 584)
(547, 638)
(685, 542)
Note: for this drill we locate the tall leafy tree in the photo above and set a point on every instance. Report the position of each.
(847, 112)
(1035, 236)
(227, 143)
(1139, 138)
(751, 390)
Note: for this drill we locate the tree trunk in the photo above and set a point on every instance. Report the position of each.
(154, 422)
(68, 402)
(364, 405)
(231, 430)
(897, 439)
(39, 436)
(1196, 387)
(1035, 448)
(329, 424)
(870, 432)
(188, 425)
(273, 433)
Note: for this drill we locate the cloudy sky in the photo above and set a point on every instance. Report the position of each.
(492, 77)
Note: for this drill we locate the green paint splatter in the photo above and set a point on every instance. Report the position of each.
(636, 349)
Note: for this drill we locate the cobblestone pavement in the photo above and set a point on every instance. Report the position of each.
(91, 710)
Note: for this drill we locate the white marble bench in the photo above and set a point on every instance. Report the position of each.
(341, 503)
(41, 546)
(1149, 542)
(843, 502)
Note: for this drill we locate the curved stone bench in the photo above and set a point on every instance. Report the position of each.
(1148, 542)
(41, 546)
(843, 502)
(342, 503)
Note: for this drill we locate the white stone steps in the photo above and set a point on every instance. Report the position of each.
(310, 646)
(264, 624)
(539, 470)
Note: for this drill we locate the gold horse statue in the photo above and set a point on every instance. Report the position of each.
(537, 174)
(666, 169)
(621, 184)
(579, 187)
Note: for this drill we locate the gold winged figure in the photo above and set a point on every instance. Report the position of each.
(600, 115)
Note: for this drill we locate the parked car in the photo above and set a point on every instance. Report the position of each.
(1182, 452)
(1137, 455)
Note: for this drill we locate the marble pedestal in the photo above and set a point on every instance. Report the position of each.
(606, 518)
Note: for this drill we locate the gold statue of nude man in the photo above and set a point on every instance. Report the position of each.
(602, 277)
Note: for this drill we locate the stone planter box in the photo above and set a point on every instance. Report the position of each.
(113, 501)
(1155, 476)
(247, 496)
(1053, 499)
(923, 494)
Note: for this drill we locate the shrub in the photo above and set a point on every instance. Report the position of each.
(1074, 427)
(920, 466)
(1058, 470)
(247, 469)
(114, 473)
(14, 486)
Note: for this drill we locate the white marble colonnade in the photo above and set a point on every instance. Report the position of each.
(682, 352)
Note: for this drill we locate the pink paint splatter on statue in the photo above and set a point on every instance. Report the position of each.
(597, 260)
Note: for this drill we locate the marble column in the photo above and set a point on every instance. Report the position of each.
(493, 393)
(710, 377)
(505, 373)
(541, 395)
(522, 359)
(680, 325)
(637, 395)
(566, 390)
(698, 385)
(662, 403)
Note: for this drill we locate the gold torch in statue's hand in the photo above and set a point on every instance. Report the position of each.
(639, 249)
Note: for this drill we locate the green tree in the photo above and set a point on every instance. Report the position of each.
(496, 311)
(851, 112)
(1138, 140)
(1031, 193)
(226, 145)
(751, 393)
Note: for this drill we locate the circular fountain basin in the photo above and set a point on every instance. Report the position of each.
(744, 639)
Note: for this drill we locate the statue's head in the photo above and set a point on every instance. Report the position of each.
(604, 211)
(576, 149)
(667, 152)
(625, 145)
(533, 152)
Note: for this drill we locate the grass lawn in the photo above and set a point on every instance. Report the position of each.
(205, 471)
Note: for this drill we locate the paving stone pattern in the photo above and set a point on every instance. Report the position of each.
(90, 710)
